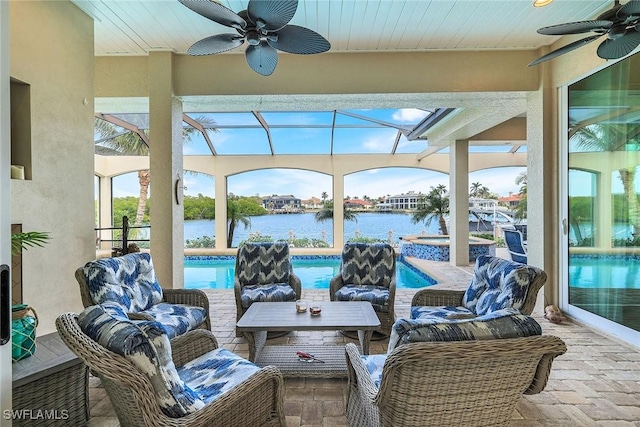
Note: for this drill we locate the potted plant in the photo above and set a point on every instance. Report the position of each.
(24, 317)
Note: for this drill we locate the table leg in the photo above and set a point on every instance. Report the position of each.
(256, 341)
(365, 339)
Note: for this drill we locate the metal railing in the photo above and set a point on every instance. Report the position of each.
(127, 245)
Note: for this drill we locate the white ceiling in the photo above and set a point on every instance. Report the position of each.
(133, 27)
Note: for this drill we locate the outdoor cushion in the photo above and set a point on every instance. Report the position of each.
(439, 313)
(131, 282)
(506, 323)
(177, 319)
(263, 264)
(496, 284)
(128, 280)
(368, 264)
(215, 373)
(147, 346)
(378, 296)
(278, 292)
(374, 364)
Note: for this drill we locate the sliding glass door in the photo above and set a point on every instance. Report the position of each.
(603, 211)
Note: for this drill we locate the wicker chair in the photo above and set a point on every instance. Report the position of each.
(368, 273)
(461, 383)
(131, 281)
(264, 273)
(496, 284)
(254, 398)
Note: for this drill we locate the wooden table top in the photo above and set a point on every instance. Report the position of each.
(282, 316)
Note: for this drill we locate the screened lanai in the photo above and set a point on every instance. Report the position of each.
(305, 140)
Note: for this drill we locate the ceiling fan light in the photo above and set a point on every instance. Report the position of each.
(541, 3)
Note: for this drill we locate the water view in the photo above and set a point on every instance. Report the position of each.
(285, 226)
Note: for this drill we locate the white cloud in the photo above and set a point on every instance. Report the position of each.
(409, 115)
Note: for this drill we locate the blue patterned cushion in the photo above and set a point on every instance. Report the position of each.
(263, 263)
(128, 280)
(147, 346)
(378, 296)
(496, 284)
(177, 319)
(506, 323)
(215, 373)
(368, 264)
(439, 313)
(374, 364)
(270, 293)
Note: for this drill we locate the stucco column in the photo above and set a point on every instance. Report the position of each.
(459, 203)
(542, 177)
(338, 210)
(221, 211)
(105, 212)
(167, 212)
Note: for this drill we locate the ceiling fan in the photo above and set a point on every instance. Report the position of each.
(263, 26)
(621, 25)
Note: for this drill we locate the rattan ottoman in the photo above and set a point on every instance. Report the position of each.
(50, 388)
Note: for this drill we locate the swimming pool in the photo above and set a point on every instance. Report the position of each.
(315, 272)
(604, 271)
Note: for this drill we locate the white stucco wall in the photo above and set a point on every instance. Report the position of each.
(51, 46)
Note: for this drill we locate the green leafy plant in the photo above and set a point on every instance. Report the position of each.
(26, 240)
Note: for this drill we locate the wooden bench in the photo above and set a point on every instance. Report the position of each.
(50, 388)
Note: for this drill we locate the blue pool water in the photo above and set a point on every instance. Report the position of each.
(216, 272)
(604, 271)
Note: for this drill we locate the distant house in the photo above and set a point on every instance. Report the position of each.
(312, 203)
(410, 200)
(357, 204)
(282, 204)
(512, 200)
(480, 203)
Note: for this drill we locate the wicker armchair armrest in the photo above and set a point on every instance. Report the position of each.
(192, 345)
(334, 284)
(557, 347)
(193, 297)
(296, 284)
(438, 297)
(358, 376)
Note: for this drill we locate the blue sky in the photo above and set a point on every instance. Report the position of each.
(305, 184)
(310, 132)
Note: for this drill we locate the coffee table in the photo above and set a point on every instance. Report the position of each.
(282, 316)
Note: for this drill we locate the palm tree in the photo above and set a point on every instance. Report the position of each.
(614, 137)
(235, 216)
(326, 214)
(324, 197)
(521, 208)
(476, 187)
(435, 204)
(129, 143)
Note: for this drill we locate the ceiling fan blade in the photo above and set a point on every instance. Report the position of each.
(565, 49)
(215, 12)
(299, 40)
(272, 14)
(619, 47)
(216, 44)
(629, 10)
(576, 28)
(262, 58)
